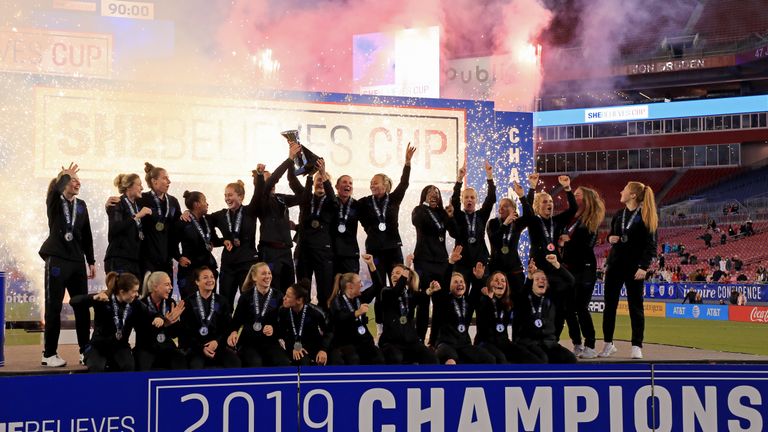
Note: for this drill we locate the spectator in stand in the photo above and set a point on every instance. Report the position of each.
(717, 274)
(761, 276)
(723, 238)
(665, 274)
(748, 228)
(707, 237)
(712, 224)
(738, 264)
(734, 298)
(742, 278)
(731, 232)
(690, 296)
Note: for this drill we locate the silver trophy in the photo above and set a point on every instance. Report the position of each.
(305, 161)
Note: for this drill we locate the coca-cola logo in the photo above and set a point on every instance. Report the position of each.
(759, 315)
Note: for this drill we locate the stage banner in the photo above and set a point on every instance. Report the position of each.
(652, 291)
(653, 309)
(621, 397)
(697, 311)
(754, 314)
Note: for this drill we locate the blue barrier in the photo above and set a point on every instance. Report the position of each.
(709, 291)
(697, 311)
(515, 397)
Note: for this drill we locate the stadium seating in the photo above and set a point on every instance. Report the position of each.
(695, 180)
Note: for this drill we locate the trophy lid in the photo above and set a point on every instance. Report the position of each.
(291, 135)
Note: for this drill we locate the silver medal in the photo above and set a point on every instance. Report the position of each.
(69, 237)
(141, 235)
(257, 326)
(624, 238)
(462, 328)
(382, 226)
(342, 228)
(119, 335)
(315, 224)
(538, 323)
(160, 337)
(500, 328)
(472, 240)
(204, 331)
(361, 330)
(403, 319)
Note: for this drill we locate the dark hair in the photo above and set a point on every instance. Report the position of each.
(506, 298)
(424, 193)
(190, 198)
(198, 271)
(117, 283)
(342, 176)
(301, 290)
(152, 172)
(238, 186)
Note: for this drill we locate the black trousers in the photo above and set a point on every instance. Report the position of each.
(508, 352)
(560, 299)
(225, 357)
(186, 280)
(428, 272)
(578, 317)
(317, 262)
(164, 357)
(615, 278)
(231, 279)
(116, 359)
(347, 355)
(551, 354)
(467, 354)
(280, 261)
(71, 276)
(385, 261)
(269, 354)
(342, 264)
(408, 353)
(123, 265)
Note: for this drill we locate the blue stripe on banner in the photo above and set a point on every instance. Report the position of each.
(709, 291)
(697, 311)
(515, 397)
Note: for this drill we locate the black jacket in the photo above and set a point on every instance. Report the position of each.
(104, 329)
(315, 336)
(430, 240)
(123, 236)
(640, 247)
(345, 244)
(393, 331)
(193, 245)
(81, 247)
(246, 252)
(525, 331)
(578, 252)
(218, 328)
(275, 230)
(390, 238)
(146, 333)
(159, 247)
(472, 253)
(245, 317)
(536, 230)
(319, 237)
(343, 321)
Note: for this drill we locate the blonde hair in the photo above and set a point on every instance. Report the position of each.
(647, 200)
(469, 189)
(594, 211)
(248, 283)
(537, 199)
(123, 181)
(340, 284)
(387, 181)
(413, 278)
(238, 187)
(151, 281)
(151, 172)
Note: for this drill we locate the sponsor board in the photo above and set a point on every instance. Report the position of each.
(654, 309)
(597, 306)
(697, 311)
(755, 314)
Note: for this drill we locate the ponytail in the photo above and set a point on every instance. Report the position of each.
(120, 282)
(151, 280)
(339, 285)
(238, 187)
(650, 217)
(111, 281)
(248, 283)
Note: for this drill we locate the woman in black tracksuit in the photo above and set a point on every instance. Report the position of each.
(126, 230)
(633, 236)
(579, 258)
(275, 241)
(198, 238)
(157, 325)
(470, 222)
(315, 252)
(430, 257)
(114, 316)
(544, 229)
(160, 245)
(66, 251)
(254, 324)
(237, 224)
(504, 237)
(303, 328)
(535, 314)
(455, 310)
(494, 318)
(206, 323)
(352, 343)
(399, 341)
(346, 252)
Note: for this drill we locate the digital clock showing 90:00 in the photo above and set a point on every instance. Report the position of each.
(126, 9)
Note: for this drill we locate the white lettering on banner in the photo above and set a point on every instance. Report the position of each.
(108, 131)
(434, 414)
(758, 315)
(327, 422)
(82, 424)
(617, 408)
(539, 411)
(678, 310)
(367, 400)
(664, 404)
(573, 417)
(694, 411)
(713, 312)
(474, 406)
(56, 52)
(615, 114)
(747, 413)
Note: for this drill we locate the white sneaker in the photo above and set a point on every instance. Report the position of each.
(577, 350)
(609, 349)
(53, 361)
(588, 353)
(82, 359)
(637, 352)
